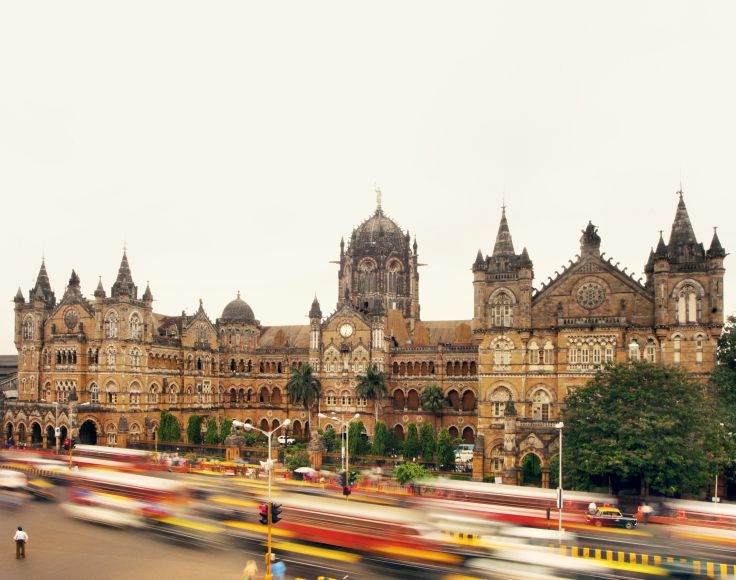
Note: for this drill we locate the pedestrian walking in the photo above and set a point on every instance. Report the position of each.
(278, 569)
(250, 572)
(20, 538)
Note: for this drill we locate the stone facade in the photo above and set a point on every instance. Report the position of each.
(107, 365)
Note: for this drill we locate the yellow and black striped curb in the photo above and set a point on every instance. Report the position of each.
(701, 567)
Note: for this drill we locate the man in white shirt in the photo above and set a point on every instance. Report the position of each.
(20, 538)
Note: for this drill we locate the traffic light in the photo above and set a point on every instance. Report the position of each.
(74, 443)
(343, 479)
(345, 490)
(351, 479)
(275, 513)
(263, 511)
(66, 444)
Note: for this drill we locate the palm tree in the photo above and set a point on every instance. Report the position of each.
(372, 385)
(433, 399)
(303, 388)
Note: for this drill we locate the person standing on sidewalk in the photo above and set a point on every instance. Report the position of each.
(20, 538)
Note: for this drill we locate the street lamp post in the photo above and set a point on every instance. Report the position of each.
(346, 443)
(559, 426)
(716, 499)
(269, 467)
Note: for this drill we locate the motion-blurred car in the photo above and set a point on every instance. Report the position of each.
(611, 517)
(286, 440)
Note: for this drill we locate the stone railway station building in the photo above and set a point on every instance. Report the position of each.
(106, 366)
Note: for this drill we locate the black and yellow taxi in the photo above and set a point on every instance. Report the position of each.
(611, 517)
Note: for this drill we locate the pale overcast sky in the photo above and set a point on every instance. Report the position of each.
(230, 145)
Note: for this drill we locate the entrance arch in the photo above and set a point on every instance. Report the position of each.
(36, 435)
(454, 433)
(50, 438)
(88, 433)
(531, 470)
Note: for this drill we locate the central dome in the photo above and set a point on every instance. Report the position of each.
(238, 311)
(378, 229)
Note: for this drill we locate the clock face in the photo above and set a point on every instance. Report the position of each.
(346, 330)
(71, 318)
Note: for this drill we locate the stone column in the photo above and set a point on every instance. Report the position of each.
(316, 451)
(479, 458)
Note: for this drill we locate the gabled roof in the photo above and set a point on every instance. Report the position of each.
(606, 266)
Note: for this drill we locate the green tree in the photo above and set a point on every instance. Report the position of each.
(211, 434)
(427, 442)
(723, 394)
(410, 471)
(169, 428)
(412, 448)
(446, 449)
(372, 386)
(357, 444)
(331, 439)
(225, 428)
(194, 429)
(640, 424)
(381, 438)
(433, 400)
(303, 388)
(295, 457)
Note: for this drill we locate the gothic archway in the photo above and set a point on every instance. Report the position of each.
(468, 435)
(88, 433)
(531, 470)
(36, 435)
(50, 437)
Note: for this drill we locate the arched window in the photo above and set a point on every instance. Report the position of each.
(533, 353)
(135, 394)
(173, 394)
(111, 355)
(549, 351)
(676, 343)
(331, 399)
(688, 302)
(345, 399)
(499, 398)
(497, 459)
(502, 309)
(135, 359)
(650, 351)
(367, 276)
(540, 406)
(699, 349)
(28, 328)
(111, 324)
(394, 277)
(634, 351)
(153, 394)
(94, 394)
(135, 326)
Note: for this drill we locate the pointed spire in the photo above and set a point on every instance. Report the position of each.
(524, 259)
(100, 291)
(315, 311)
(124, 285)
(716, 249)
(147, 295)
(415, 246)
(19, 297)
(74, 280)
(504, 245)
(42, 289)
(479, 261)
(683, 246)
